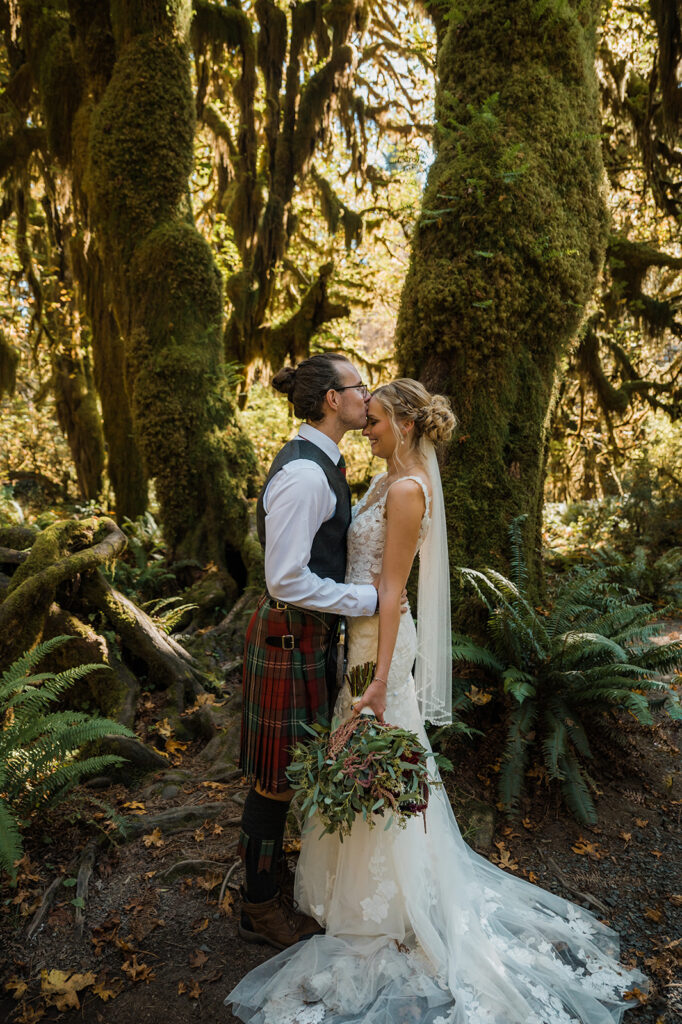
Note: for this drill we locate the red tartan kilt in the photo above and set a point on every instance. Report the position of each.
(283, 690)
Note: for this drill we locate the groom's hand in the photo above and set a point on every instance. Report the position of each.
(404, 603)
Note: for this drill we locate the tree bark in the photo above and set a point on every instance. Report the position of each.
(505, 255)
(114, 81)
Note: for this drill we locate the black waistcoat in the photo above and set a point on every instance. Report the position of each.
(328, 553)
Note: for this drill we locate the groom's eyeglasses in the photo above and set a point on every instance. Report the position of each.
(360, 385)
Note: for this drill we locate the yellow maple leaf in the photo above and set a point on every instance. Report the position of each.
(105, 993)
(173, 746)
(641, 822)
(477, 696)
(153, 838)
(227, 904)
(18, 985)
(586, 848)
(61, 988)
(164, 728)
(182, 987)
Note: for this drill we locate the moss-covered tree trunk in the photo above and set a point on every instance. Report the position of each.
(506, 253)
(115, 86)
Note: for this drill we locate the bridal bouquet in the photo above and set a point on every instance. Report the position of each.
(363, 767)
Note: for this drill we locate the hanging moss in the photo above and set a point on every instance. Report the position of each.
(506, 253)
(79, 418)
(61, 85)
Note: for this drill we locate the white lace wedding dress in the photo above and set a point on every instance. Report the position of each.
(419, 928)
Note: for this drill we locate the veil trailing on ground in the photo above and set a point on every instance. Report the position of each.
(433, 675)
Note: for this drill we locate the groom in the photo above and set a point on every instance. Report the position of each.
(303, 515)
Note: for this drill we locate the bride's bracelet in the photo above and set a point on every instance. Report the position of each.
(376, 679)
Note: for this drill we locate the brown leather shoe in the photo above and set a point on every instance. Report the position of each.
(277, 922)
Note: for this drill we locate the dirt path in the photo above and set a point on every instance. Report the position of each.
(157, 948)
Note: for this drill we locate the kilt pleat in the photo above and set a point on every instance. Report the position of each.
(284, 690)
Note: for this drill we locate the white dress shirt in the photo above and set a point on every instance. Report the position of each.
(297, 501)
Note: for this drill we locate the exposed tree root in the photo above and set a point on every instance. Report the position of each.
(189, 867)
(175, 819)
(168, 663)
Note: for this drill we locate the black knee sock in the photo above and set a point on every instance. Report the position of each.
(260, 844)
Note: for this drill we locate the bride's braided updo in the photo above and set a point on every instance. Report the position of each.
(406, 399)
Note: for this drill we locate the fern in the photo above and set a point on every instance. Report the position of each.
(592, 652)
(39, 748)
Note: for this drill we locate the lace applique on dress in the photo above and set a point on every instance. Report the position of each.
(367, 532)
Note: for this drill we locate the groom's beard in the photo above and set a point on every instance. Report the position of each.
(358, 422)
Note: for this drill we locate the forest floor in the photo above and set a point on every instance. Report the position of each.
(159, 942)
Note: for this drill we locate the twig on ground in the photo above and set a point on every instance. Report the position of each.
(586, 896)
(84, 871)
(45, 904)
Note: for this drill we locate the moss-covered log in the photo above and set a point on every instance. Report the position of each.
(505, 256)
(61, 553)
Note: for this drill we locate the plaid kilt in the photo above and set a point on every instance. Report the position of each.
(283, 689)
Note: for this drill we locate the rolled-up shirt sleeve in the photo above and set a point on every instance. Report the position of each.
(297, 502)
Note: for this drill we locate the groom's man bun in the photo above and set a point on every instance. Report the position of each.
(307, 384)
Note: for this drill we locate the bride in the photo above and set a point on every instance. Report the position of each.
(419, 928)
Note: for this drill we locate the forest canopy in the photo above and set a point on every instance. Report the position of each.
(194, 194)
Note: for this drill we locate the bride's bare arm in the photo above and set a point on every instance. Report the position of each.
(404, 512)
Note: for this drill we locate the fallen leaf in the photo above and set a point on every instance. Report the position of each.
(532, 877)
(194, 990)
(200, 925)
(625, 836)
(164, 728)
(174, 746)
(654, 915)
(135, 905)
(135, 806)
(208, 882)
(215, 975)
(587, 849)
(227, 904)
(217, 829)
(676, 899)
(199, 834)
(656, 853)
(641, 822)
(527, 823)
(182, 987)
(198, 958)
(107, 990)
(636, 993)
(18, 985)
(61, 988)
(477, 696)
(30, 1014)
(136, 971)
(154, 838)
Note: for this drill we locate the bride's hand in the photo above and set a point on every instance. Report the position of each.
(374, 698)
